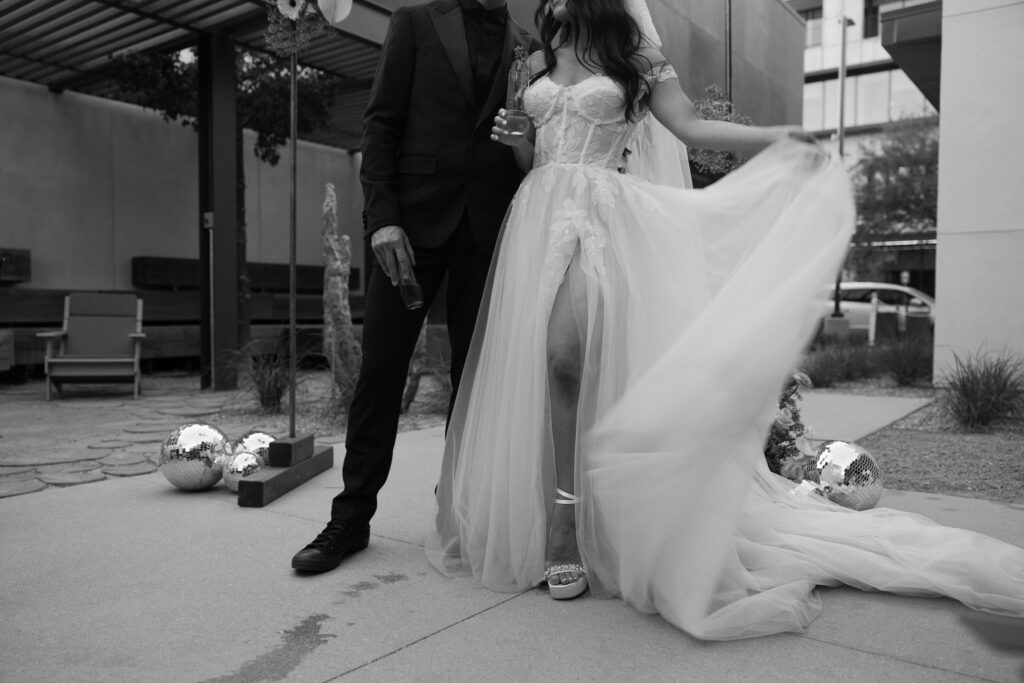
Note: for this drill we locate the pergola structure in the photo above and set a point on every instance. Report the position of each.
(74, 44)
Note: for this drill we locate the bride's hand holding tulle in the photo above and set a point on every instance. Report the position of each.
(797, 133)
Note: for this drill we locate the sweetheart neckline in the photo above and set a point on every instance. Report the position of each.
(572, 85)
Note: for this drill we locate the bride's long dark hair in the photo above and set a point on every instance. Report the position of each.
(611, 43)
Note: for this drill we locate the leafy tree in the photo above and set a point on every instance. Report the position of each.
(168, 83)
(709, 165)
(896, 187)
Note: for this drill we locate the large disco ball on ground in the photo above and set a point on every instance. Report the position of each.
(849, 475)
(192, 458)
(241, 464)
(257, 443)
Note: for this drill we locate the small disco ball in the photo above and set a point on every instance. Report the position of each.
(241, 464)
(192, 457)
(849, 475)
(257, 443)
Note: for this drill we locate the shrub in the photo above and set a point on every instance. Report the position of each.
(984, 388)
(832, 360)
(265, 363)
(907, 358)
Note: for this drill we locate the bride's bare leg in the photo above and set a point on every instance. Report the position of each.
(565, 365)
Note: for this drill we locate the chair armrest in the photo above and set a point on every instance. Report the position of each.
(54, 341)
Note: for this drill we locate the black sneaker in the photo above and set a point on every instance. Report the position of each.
(337, 541)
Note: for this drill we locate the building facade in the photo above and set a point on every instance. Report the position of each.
(876, 92)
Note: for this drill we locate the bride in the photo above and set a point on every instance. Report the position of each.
(623, 374)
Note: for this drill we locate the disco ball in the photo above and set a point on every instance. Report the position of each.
(849, 475)
(192, 457)
(257, 443)
(241, 464)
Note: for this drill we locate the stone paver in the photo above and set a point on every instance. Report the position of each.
(40, 457)
(81, 466)
(151, 428)
(124, 458)
(131, 470)
(19, 487)
(27, 475)
(72, 478)
(9, 471)
(109, 445)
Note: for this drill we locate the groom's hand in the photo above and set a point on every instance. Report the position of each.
(391, 246)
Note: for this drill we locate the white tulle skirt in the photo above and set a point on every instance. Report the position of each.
(693, 305)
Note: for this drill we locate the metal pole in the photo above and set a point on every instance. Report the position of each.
(841, 137)
(728, 50)
(291, 244)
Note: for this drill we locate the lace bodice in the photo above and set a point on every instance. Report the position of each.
(584, 123)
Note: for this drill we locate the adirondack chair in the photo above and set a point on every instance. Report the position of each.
(101, 341)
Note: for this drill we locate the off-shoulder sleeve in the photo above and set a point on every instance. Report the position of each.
(656, 67)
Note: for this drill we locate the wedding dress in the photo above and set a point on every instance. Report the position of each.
(693, 305)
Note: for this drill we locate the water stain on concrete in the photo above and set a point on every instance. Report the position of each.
(391, 578)
(356, 589)
(277, 664)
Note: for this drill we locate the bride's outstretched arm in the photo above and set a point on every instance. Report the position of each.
(675, 111)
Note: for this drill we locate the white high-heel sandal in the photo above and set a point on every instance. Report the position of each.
(566, 591)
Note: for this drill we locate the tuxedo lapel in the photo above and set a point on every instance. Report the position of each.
(500, 85)
(452, 34)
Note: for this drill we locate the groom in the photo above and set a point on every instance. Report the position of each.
(436, 189)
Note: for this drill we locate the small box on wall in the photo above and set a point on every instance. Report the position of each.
(15, 265)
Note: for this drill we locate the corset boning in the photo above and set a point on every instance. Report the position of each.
(581, 124)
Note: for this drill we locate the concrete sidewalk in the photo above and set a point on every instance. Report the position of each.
(132, 580)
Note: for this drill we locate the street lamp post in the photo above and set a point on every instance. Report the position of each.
(836, 324)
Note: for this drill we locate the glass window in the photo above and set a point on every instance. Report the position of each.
(893, 298)
(813, 19)
(871, 23)
(872, 98)
(905, 99)
(856, 295)
(814, 93)
(831, 102)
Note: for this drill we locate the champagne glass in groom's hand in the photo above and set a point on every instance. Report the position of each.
(517, 121)
(395, 255)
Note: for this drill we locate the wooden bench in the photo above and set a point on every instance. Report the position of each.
(169, 289)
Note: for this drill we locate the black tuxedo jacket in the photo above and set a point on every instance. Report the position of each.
(427, 152)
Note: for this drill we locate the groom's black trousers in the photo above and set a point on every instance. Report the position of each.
(390, 332)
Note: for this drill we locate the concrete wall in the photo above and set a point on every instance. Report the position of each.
(87, 183)
(980, 277)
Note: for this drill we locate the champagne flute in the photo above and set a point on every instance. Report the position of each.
(517, 121)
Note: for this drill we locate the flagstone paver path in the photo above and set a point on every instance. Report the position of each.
(98, 432)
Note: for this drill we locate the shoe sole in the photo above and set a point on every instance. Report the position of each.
(568, 591)
(320, 567)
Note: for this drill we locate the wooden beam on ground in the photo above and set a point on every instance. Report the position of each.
(270, 483)
(290, 451)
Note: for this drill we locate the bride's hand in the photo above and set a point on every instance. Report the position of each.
(799, 134)
(500, 132)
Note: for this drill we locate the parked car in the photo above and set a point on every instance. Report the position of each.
(855, 302)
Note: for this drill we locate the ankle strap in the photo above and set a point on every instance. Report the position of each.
(566, 499)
